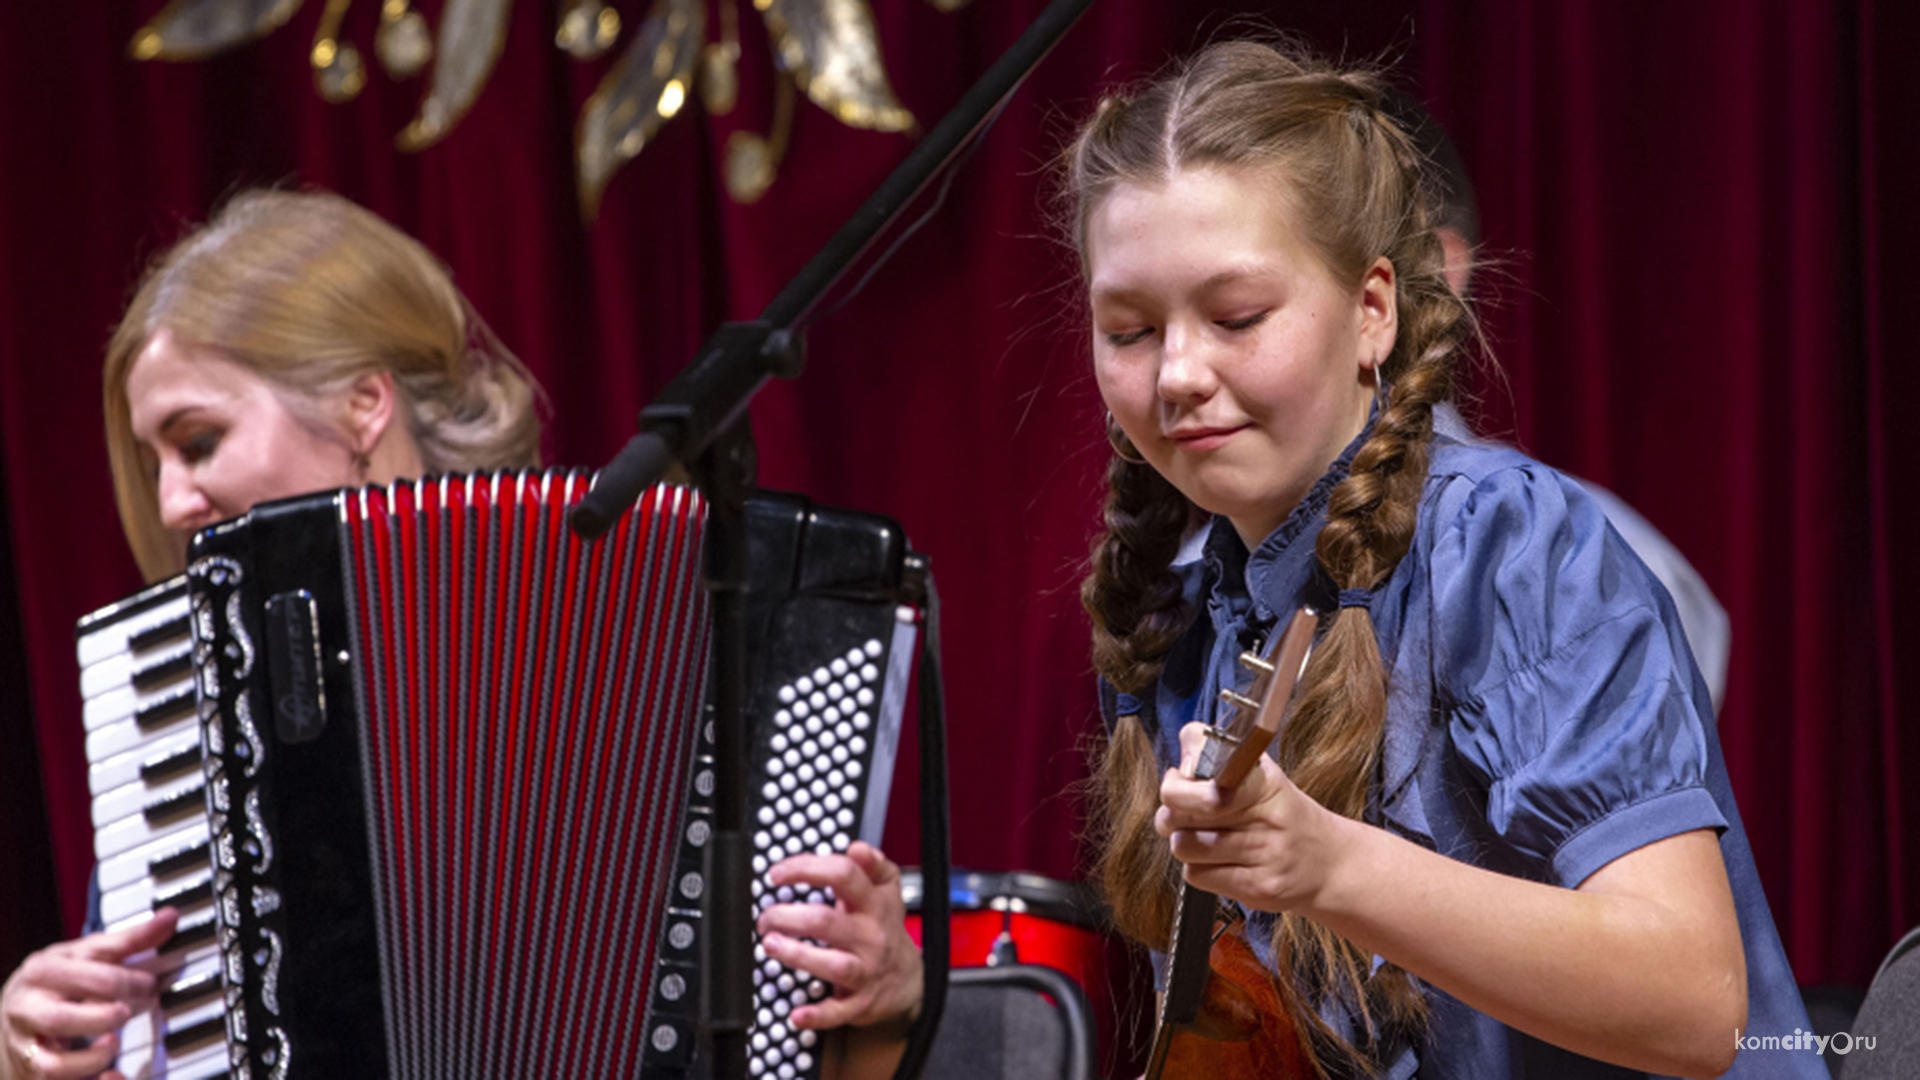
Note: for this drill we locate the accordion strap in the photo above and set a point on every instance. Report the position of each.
(935, 843)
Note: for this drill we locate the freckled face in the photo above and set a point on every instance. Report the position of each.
(220, 438)
(1222, 344)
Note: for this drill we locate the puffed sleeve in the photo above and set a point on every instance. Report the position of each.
(1572, 700)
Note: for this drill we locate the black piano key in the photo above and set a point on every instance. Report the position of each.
(165, 711)
(183, 897)
(186, 858)
(191, 991)
(165, 671)
(167, 766)
(159, 634)
(210, 1029)
(187, 937)
(176, 805)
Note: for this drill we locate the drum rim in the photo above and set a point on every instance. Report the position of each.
(1071, 902)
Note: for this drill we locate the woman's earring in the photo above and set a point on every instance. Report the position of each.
(1122, 446)
(1379, 389)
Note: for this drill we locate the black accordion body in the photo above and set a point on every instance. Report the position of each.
(431, 781)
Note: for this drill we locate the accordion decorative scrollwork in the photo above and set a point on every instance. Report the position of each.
(236, 823)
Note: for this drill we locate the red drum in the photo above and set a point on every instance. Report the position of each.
(1029, 919)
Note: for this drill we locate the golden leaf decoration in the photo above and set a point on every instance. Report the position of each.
(650, 84)
(195, 29)
(587, 29)
(833, 52)
(472, 34)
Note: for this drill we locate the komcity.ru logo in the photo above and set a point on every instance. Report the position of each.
(1839, 1042)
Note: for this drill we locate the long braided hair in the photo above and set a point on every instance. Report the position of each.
(1356, 189)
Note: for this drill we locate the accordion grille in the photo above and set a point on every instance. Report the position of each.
(529, 704)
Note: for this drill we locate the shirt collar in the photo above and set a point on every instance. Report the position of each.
(1276, 575)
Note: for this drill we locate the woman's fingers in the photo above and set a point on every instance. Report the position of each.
(863, 879)
(117, 945)
(1192, 737)
(52, 1063)
(78, 990)
(46, 1015)
(881, 871)
(80, 978)
(824, 923)
(1265, 795)
(858, 944)
(840, 967)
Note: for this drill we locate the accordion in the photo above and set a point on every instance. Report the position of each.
(430, 781)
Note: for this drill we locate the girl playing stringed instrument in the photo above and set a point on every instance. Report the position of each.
(1498, 839)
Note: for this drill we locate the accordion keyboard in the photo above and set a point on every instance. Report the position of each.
(150, 821)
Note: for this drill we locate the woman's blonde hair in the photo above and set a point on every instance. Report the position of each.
(1355, 185)
(310, 292)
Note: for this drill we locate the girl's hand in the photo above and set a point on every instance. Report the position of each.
(1265, 843)
(863, 949)
(61, 1010)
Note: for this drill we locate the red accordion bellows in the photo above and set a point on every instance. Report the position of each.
(527, 705)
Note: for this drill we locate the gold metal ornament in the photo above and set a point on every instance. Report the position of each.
(646, 89)
(828, 48)
(403, 43)
(472, 35)
(752, 160)
(587, 29)
(720, 64)
(338, 72)
(195, 29)
(833, 51)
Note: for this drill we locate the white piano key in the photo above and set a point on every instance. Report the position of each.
(107, 640)
(115, 671)
(132, 865)
(204, 1062)
(139, 896)
(159, 1021)
(136, 1047)
(124, 768)
(201, 962)
(132, 831)
(123, 700)
(166, 964)
(128, 800)
(124, 735)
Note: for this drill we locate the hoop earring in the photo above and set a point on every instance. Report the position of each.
(1380, 394)
(1123, 447)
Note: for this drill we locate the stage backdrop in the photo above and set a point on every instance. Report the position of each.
(1699, 212)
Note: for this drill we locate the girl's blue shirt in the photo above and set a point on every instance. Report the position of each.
(1544, 715)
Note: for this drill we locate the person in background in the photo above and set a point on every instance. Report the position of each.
(1457, 225)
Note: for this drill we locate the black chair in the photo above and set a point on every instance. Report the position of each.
(1890, 1017)
(1013, 1022)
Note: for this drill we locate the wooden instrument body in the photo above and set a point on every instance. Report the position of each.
(1242, 1030)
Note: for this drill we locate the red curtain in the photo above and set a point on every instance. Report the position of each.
(1698, 224)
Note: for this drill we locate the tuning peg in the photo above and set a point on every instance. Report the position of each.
(1233, 698)
(1222, 735)
(1255, 663)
